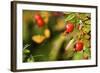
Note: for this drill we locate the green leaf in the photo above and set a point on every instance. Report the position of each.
(88, 22)
(78, 55)
(70, 17)
(39, 58)
(83, 16)
(26, 51)
(26, 46)
(86, 28)
(37, 30)
(78, 21)
(30, 59)
(87, 52)
(86, 36)
(86, 43)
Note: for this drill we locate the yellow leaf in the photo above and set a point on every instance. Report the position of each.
(38, 38)
(47, 33)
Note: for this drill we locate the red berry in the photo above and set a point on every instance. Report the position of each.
(40, 23)
(79, 46)
(37, 16)
(69, 27)
(39, 20)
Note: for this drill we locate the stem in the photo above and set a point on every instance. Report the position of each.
(56, 46)
(70, 44)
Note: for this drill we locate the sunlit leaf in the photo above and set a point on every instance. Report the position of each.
(78, 55)
(30, 59)
(70, 17)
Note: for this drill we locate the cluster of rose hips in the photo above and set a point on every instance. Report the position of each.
(70, 28)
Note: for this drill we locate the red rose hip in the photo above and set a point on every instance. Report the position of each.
(40, 23)
(79, 46)
(39, 20)
(69, 27)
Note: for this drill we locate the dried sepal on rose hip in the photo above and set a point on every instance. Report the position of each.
(85, 56)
